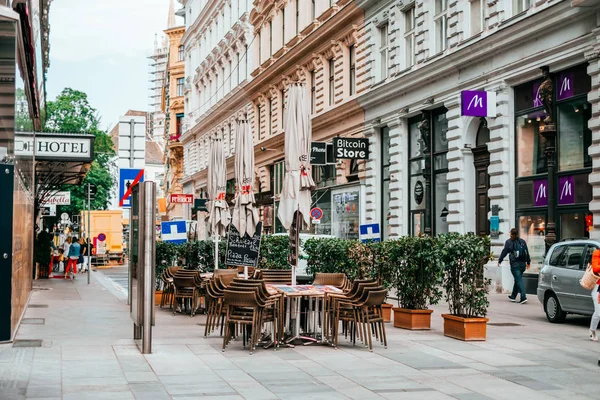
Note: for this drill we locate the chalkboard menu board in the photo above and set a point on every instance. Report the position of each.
(243, 251)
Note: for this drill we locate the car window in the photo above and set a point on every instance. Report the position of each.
(588, 255)
(557, 254)
(572, 256)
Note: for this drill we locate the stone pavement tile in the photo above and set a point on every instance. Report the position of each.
(448, 388)
(99, 396)
(204, 349)
(567, 395)
(44, 398)
(217, 361)
(176, 360)
(418, 361)
(470, 396)
(149, 391)
(51, 353)
(199, 388)
(313, 368)
(253, 391)
(290, 355)
(126, 350)
(219, 397)
(481, 367)
(357, 392)
(415, 395)
(496, 359)
(75, 353)
(44, 390)
(496, 388)
(93, 381)
(443, 372)
(12, 393)
(94, 368)
(389, 384)
(137, 377)
(235, 376)
(103, 392)
(313, 396)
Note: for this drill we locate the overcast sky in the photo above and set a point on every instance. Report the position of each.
(100, 47)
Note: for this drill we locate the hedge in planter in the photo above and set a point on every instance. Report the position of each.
(464, 258)
(417, 277)
(330, 255)
(274, 252)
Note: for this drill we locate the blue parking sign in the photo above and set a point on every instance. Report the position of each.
(370, 233)
(173, 231)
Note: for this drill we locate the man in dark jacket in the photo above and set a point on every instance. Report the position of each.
(519, 258)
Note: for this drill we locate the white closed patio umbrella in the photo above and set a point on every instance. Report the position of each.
(245, 216)
(218, 217)
(297, 182)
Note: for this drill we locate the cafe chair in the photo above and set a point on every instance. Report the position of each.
(185, 288)
(244, 309)
(370, 315)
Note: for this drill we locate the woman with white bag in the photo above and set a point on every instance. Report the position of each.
(592, 274)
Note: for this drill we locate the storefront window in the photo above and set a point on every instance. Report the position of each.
(345, 219)
(531, 144)
(386, 161)
(575, 137)
(573, 225)
(441, 203)
(322, 199)
(532, 228)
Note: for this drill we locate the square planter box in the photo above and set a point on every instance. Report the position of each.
(387, 312)
(412, 319)
(157, 297)
(468, 329)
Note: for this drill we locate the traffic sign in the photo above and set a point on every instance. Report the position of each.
(64, 217)
(174, 231)
(128, 178)
(370, 233)
(102, 237)
(316, 213)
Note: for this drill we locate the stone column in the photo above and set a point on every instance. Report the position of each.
(373, 177)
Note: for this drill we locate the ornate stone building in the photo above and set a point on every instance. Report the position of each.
(173, 108)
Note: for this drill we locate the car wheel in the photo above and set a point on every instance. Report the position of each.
(554, 312)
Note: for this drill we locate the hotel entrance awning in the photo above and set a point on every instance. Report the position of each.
(60, 158)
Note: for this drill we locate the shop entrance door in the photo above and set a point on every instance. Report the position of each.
(481, 161)
(482, 184)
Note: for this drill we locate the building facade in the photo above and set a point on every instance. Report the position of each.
(173, 108)
(25, 60)
(156, 82)
(400, 73)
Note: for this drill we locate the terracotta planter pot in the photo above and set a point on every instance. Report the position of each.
(157, 297)
(468, 329)
(412, 319)
(387, 312)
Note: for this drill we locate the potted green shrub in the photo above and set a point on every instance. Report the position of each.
(417, 277)
(165, 257)
(464, 258)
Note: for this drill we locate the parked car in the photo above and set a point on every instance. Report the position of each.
(558, 284)
(301, 275)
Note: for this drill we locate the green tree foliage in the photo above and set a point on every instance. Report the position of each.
(71, 112)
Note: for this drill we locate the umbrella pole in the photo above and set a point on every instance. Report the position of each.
(216, 251)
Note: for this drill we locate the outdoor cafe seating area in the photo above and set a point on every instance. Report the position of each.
(262, 308)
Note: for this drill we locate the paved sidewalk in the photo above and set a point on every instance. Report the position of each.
(87, 353)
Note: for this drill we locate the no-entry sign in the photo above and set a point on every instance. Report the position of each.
(316, 213)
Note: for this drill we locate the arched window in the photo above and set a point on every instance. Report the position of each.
(483, 133)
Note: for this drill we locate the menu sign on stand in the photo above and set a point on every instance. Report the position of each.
(243, 251)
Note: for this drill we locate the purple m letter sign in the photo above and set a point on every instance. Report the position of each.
(478, 103)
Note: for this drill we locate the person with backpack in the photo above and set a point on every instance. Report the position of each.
(519, 258)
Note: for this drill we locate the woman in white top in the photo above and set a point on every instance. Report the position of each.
(66, 246)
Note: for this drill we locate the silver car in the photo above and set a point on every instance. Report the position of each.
(558, 284)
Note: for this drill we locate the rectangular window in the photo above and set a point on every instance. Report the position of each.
(270, 38)
(531, 159)
(441, 25)
(258, 132)
(313, 10)
(520, 5)
(271, 114)
(477, 16)
(178, 124)
(313, 91)
(283, 25)
(575, 137)
(383, 52)
(409, 36)
(180, 85)
(331, 81)
(180, 53)
(297, 16)
(352, 53)
(386, 162)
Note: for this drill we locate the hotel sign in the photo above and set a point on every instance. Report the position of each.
(181, 198)
(478, 103)
(55, 147)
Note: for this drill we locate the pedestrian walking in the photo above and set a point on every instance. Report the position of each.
(73, 256)
(595, 297)
(520, 260)
(66, 245)
(82, 253)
